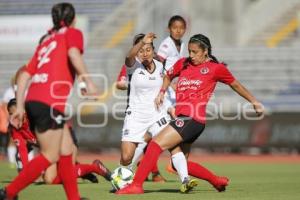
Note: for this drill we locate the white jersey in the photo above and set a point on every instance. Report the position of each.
(168, 51)
(8, 94)
(144, 87)
(141, 115)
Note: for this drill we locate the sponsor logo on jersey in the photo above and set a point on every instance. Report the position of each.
(179, 123)
(40, 78)
(185, 84)
(204, 70)
(152, 78)
(165, 45)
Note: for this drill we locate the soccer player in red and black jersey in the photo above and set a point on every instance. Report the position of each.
(22, 137)
(198, 75)
(52, 71)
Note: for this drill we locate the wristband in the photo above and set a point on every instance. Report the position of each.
(82, 85)
(162, 91)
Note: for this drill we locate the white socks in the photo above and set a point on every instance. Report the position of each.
(180, 164)
(11, 154)
(137, 154)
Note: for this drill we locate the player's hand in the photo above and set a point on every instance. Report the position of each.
(16, 119)
(171, 111)
(258, 107)
(148, 38)
(159, 100)
(89, 89)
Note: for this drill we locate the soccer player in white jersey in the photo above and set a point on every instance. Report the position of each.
(145, 75)
(169, 52)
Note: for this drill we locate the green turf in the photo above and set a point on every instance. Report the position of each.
(248, 181)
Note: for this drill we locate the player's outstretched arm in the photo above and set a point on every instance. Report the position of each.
(243, 92)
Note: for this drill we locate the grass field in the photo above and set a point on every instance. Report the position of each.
(248, 181)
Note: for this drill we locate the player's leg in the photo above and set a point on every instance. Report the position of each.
(199, 171)
(166, 139)
(160, 123)
(127, 152)
(180, 165)
(65, 165)
(11, 151)
(49, 153)
(137, 154)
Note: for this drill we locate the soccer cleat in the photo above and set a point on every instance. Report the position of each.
(188, 185)
(170, 169)
(157, 177)
(3, 195)
(131, 189)
(102, 170)
(84, 198)
(90, 177)
(220, 183)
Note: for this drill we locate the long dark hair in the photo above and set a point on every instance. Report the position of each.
(62, 14)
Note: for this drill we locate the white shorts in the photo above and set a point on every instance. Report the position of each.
(134, 127)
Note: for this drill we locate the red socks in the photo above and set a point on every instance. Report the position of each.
(29, 174)
(66, 171)
(83, 169)
(200, 172)
(155, 168)
(146, 165)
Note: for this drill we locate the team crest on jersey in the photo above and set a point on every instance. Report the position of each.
(204, 70)
(179, 123)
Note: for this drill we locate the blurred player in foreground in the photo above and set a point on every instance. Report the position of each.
(52, 71)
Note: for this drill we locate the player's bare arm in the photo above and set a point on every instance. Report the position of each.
(242, 91)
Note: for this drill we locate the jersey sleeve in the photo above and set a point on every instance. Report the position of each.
(223, 75)
(163, 50)
(122, 74)
(74, 38)
(176, 69)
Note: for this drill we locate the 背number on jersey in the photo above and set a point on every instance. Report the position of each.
(43, 54)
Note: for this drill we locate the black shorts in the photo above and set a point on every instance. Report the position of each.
(42, 117)
(188, 128)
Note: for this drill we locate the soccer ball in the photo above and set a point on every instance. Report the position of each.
(121, 176)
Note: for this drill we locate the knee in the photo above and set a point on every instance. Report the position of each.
(48, 180)
(126, 159)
